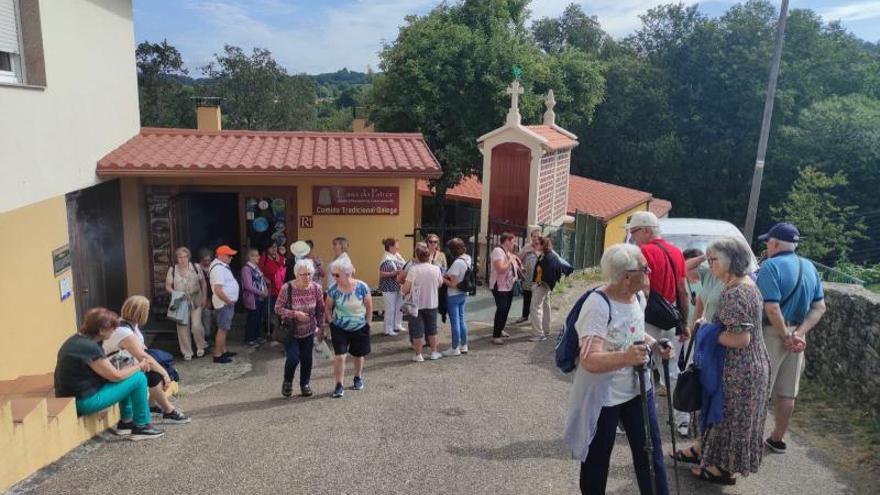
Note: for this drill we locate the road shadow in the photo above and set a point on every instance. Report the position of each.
(530, 449)
(220, 410)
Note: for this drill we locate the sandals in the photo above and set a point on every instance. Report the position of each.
(723, 479)
(680, 456)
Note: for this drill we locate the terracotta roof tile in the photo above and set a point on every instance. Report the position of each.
(598, 199)
(156, 151)
(556, 140)
(660, 207)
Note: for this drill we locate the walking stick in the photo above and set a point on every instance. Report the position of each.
(641, 370)
(664, 343)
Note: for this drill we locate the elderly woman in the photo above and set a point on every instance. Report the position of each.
(255, 290)
(734, 445)
(389, 268)
(456, 299)
(349, 306)
(127, 344)
(186, 277)
(422, 281)
(502, 276)
(301, 302)
(84, 372)
(606, 387)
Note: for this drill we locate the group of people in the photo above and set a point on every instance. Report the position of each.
(721, 295)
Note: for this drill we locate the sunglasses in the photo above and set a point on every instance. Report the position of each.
(433, 242)
(633, 231)
(337, 275)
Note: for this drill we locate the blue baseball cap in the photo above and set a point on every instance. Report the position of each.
(782, 231)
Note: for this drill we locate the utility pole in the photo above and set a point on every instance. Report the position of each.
(755, 194)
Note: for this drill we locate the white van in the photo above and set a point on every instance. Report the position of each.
(686, 233)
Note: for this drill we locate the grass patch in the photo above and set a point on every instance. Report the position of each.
(849, 433)
(873, 288)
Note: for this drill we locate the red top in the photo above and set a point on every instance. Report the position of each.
(271, 269)
(662, 279)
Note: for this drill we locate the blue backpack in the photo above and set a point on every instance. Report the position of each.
(568, 343)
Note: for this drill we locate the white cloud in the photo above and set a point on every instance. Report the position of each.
(853, 12)
(617, 17)
(318, 40)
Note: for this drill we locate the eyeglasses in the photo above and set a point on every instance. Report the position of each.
(711, 260)
(304, 274)
(633, 231)
(642, 269)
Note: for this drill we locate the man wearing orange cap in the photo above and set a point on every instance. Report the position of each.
(226, 290)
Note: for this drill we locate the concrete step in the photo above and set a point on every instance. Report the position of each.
(24, 408)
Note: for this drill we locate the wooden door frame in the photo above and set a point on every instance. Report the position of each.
(289, 193)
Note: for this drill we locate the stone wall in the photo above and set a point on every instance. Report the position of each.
(843, 351)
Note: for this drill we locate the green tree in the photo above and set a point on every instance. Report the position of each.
(573, 29)
(839, 134)
(164, 102)
(828, 227)
(446, 73)
(258, 93)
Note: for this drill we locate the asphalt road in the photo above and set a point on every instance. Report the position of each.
(489, 422)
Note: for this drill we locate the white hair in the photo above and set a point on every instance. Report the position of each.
(619, 258)
(342, 265)
(734, 254)
(785, 245)
(306, 264)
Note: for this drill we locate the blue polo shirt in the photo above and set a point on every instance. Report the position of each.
(778, 277)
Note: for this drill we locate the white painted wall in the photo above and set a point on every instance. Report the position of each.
(52, 139)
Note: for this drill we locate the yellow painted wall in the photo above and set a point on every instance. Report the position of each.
(33, 319)
(364, 232)
(614, 231)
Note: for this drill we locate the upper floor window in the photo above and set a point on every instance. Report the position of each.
(10, 43)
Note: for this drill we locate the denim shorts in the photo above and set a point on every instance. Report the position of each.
(224, 316)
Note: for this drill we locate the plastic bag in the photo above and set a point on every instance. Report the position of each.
(322, 350)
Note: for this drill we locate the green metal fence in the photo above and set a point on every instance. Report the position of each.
(829, 274)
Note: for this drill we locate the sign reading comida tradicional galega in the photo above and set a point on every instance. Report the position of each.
(355, 200)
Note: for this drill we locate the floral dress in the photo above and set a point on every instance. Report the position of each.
(736, 443)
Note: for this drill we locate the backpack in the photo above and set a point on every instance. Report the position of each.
(468, 283)
(166, 360)
(568, 344)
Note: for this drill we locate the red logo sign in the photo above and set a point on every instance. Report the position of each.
(355, 200)
(305, 222)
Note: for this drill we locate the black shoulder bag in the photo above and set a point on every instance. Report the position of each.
(688, 395)
(284, 333)
(659, 312)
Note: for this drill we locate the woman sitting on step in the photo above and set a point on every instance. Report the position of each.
(84, 372)
(127, 345)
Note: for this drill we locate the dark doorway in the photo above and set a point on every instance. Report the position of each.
(94, 222)
(205, 220)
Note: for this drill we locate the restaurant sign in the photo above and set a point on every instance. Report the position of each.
(355, 200)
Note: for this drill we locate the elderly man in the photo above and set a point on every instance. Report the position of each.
(794, 302)
(667, 278)
(226, 290)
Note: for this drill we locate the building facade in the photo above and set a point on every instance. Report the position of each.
(63, 107)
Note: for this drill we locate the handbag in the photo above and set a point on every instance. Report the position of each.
(284, 333)
(687, 396)
(659, 312)
(322, 350)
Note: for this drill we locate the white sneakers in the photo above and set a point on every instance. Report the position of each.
(418, 358)
(463, 349)
(435, 356)
(452, 351)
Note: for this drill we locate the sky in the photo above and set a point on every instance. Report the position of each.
(315, 36)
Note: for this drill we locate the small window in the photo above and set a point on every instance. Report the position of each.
(10, 43)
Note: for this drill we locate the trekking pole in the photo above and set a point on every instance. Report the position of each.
(664, 343)
(641, 370)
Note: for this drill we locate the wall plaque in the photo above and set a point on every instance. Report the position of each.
(355, 200)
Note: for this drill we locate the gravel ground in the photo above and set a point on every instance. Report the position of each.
(488, 422)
